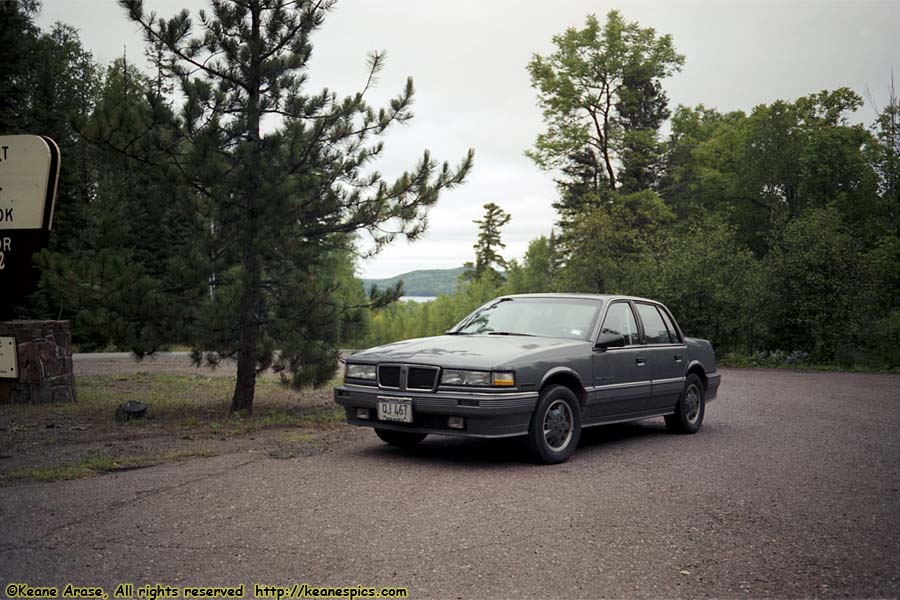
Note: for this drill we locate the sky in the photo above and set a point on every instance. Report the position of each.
(468, 61)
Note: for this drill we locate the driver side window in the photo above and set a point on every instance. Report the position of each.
(620, 321)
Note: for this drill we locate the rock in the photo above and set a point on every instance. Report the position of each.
(130, 410)
(44, 359)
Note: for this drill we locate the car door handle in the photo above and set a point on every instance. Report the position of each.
(641, 361)
(679, 357)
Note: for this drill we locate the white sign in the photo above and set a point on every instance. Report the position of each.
(25, 164)
(8, 364)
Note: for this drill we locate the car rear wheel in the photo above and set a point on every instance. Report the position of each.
(401, 439)
(690, 408)
(555, 426)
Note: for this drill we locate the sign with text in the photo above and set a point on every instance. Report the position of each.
(29, 173)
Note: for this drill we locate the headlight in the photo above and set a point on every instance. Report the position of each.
(478, 378)
(360, 372)
(453, 377)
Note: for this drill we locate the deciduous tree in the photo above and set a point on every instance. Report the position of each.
(602, 100)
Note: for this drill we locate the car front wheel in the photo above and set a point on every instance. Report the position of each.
(401, 439)
(690, 408)
(555, 426)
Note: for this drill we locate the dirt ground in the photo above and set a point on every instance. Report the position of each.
(187, 417)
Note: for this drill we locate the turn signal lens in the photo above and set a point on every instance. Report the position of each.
(504, 378)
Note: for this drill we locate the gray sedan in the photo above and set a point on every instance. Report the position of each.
(537, 365)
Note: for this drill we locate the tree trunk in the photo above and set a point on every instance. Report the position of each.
(245, 387)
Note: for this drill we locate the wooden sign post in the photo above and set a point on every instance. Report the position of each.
(29, 173)
(35, 356)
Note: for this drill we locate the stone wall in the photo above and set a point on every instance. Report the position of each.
(44, 361)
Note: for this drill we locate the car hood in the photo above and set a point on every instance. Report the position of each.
(464, 351)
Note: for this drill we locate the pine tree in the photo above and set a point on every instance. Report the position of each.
(642, 109)
(18, 38)
(487, 248)
(279, 204)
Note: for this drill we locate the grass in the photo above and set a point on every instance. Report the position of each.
(187, 416)
(98, 465)
(184, 402)
(743, 361)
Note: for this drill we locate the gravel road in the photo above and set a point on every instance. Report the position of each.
(168, 363)
(792, 488)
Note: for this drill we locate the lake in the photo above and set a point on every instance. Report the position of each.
(417, 298)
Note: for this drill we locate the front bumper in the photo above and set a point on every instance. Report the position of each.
(712, 385)
(487, 415)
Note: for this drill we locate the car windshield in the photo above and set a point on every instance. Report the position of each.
(546, 317)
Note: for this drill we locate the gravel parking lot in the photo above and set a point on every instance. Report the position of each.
(792, 488)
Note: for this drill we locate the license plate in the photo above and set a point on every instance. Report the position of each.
(395, 409)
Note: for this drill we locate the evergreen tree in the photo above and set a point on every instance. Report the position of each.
(18, 38)
(886, 158)
(487, 248)
(281, 177)
(642, 109)
(117, 277)
(47, 82)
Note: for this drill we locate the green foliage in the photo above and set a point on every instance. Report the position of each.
(184, 222)
(819, 288)
(601, 97)
(489, 244)
(709, 281)
(116, 279)
(773, 233)
(404, 320)
(536, 273)
(885, 157)
(282, 208)
(763, 170)
(47, 81)
(19, 39)
(612, 239)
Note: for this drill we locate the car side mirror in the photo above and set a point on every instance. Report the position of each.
(609, 340)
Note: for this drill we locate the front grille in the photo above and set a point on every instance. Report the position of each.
(417, 378)
(389, 377)
(420, 378)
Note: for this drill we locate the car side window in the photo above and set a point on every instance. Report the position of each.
(655, 331)
(620, 321)
(673, 333)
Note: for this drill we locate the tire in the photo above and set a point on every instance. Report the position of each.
(558, 410)
(401, 439)
(691, 407)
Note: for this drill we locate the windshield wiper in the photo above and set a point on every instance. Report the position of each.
(457, 333)
(509, 333)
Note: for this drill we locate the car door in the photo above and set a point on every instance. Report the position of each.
(665, 354)
(621, 381)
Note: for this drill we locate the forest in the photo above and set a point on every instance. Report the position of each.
(774, 233)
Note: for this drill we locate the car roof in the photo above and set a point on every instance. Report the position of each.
(601, 297)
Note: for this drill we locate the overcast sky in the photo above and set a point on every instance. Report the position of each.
(468, 60)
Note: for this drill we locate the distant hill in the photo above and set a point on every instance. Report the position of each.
(426, 282)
